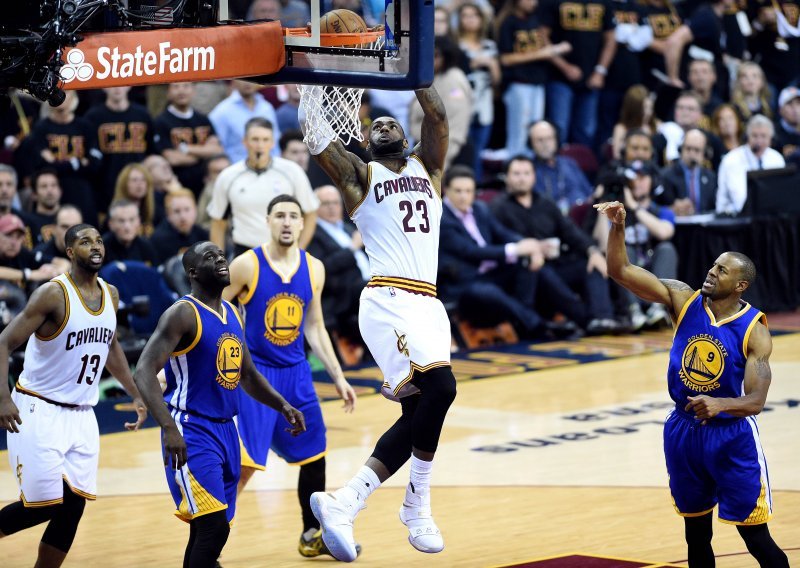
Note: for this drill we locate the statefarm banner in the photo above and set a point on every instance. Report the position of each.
(115, 59)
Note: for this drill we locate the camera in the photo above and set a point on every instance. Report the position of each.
(614, 181)
(34, 35)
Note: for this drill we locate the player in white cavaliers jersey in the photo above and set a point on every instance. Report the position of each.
(53, 440)
(396, 203)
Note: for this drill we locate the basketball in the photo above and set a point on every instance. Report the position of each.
(342, 21)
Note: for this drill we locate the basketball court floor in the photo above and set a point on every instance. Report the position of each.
(551, 457)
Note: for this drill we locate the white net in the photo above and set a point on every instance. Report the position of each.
(330, 112)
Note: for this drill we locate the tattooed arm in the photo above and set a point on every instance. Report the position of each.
(672, 293)
(432, 146)
(757, 378)
(347, 171)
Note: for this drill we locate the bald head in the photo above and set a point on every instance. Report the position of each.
(330, 204)
(544, 140)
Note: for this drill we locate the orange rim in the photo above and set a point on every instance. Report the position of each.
(334, 39)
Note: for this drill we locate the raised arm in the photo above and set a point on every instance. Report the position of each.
(176, 328)
(672, 293)
(432, 145)
(757, 378)
(43, 303)
(345, 169)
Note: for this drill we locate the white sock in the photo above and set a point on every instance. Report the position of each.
(420, 477)
(362, 485)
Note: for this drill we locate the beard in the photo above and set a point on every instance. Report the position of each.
(87, 266)
(389, 150)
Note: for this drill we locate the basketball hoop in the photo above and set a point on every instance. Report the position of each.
(330, 112)
(372, 40)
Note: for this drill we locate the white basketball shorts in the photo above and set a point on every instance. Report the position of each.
(54, 443)
(406, 333)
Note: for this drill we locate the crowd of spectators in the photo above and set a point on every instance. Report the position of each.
(553, 105)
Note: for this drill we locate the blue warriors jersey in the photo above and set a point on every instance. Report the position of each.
(274, 311)
(202, 379)
(708, 356)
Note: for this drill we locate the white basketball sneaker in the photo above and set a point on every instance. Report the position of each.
(415, 513)
(335, 515)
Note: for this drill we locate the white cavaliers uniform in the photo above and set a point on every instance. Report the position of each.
(402, 322)
(58, 438)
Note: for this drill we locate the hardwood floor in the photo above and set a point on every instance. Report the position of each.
(531, 465)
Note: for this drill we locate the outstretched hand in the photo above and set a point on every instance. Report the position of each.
(141, 415)
(614, 210)
(295, 418)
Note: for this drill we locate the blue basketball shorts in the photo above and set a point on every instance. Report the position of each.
(719, 463)
(207, 482)
(262, 428)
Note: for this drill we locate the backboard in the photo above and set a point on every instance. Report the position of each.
(401, 58)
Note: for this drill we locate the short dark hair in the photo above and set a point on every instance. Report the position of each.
(746, 266)
(289, 136)
(458, 171)
(46, 171)
(283, 198)
(72, 233)
(190, 256)
(257, 121)
(518, 158)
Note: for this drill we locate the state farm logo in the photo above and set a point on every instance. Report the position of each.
(116, 64)
(76, 67)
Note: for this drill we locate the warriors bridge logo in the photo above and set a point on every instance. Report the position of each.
(702, 363)
(283, 318)
(229, 361)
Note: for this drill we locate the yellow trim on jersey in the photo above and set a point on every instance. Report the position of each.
(245, 297)
(684, 308)
(66, 314)
(80, 296)
(285, 278)
(407, 284)
(77, 491)
(365, 194)
(223, 318)
(309, 258)
(235, 312)
(246, 460)
(728, 319)
(197, 335)
(427, 173)
(416, 368)
(206, 502)
(311, 459)
(750, 329)
(37, 504)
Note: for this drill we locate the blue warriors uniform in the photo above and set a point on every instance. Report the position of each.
(274, 309)
(202, 385)
(722, 461)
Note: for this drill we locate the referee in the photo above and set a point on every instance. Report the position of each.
(245, 188)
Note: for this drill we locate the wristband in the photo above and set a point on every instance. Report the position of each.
(601, 70)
